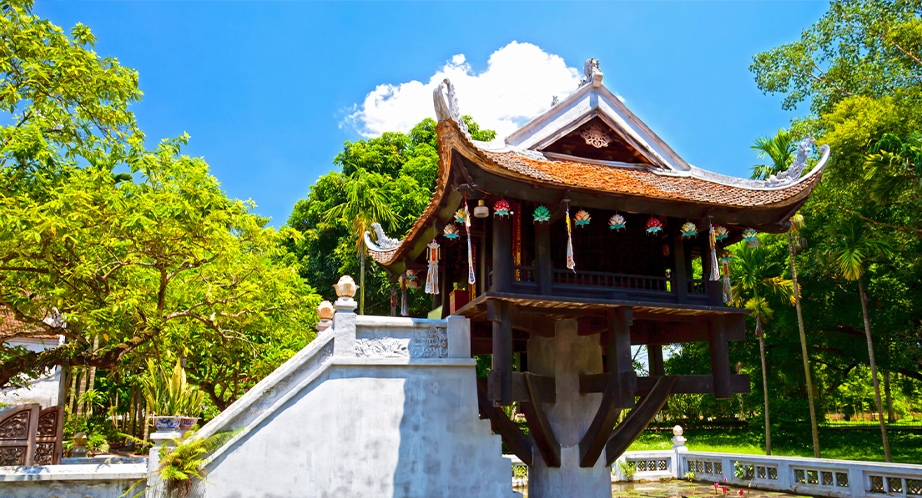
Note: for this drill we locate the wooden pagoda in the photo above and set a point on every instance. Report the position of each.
(585, 214)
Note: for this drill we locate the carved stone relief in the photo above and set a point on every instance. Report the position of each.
(424, 343)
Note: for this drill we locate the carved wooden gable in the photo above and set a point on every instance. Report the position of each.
(597, 140)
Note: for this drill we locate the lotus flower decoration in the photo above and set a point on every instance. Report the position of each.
(616, 222)
(542, 214)
(582, 218)
(460, 215)
(654, 225)
(689, 230)
(721, 233)
(502, 208)
(450, 232)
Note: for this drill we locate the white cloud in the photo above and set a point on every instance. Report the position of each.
(517, 85)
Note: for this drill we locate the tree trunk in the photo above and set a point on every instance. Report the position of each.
(768, 428)
(81, 388)
(803, 349)
(873, 362)
(891, 416)
(91, 383)
(362, 278)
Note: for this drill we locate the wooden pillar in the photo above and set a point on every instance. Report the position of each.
(502, 254)
(680, 274)
(720, 357)
(619, 364)
(655, 358)
(500, 379)
(543, 249)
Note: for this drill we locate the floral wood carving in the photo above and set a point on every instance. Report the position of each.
(16, 427)
(596, 136)
(12, 455)
(48, 424)
(44, 454)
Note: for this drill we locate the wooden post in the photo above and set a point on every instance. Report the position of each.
(680, 273)
(619, 356)
(499, 389)
(720, 357)
(502, 254)
(655, 358)
(543, 249)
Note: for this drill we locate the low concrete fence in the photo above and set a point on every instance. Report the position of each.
(97, 480)
(804, 476)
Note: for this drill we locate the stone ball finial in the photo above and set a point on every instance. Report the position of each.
(325, 310)
(346, 287)
(677, 430)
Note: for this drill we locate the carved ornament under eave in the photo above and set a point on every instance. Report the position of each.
(596, 136)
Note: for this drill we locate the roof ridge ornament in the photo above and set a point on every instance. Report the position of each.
(592, 72)
(446, 105)
(384, 242)
(792, 174)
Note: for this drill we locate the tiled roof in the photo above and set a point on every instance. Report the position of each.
(643, 182)
(697, 186)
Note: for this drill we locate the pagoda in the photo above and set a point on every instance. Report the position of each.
(578, 236)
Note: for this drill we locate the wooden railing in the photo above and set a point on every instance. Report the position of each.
(569, 278)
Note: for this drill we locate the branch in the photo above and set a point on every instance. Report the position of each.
(869, 220)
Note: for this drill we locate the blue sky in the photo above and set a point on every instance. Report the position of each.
(266, 89)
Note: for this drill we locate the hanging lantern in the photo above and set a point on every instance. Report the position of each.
(542, 214)
(689, 230)
(582, 218)
(751, 237)
(712, 239)
(461, 215)
(412, 279)
(433, 253)
(481, 211)
(471, 278)
(721, 233)
(654, 225)
(450, 232)
(502, 208)
(616, 222)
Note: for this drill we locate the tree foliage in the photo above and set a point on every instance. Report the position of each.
(101, 238)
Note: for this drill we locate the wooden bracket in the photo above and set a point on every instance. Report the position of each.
(520, 444)
(592, 444)
(636, 421)
(538, 425)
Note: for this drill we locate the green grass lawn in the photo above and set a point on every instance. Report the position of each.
(844, 444)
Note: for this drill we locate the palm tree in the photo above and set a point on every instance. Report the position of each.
(759, 279)
(780, 150)
(853, 245)
(367, 201)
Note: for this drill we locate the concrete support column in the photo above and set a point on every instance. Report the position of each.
(565, 357)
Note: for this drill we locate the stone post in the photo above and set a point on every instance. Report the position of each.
(565, 357)
(459, 337)
(678, 446)
(160, 438)
(344, 319)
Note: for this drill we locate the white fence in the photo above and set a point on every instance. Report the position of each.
(805, 476)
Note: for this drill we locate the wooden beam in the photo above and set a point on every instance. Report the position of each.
(546, 386)
(636, 421)
(545, 268)
(680, 273)
(520, 444)
(655, 359)
(593, 442)
(720, 358)
(662, 332)
(500, 385)
(591, 325)
(686, 384)
(620, 364)
(502, 253)
(538, 425)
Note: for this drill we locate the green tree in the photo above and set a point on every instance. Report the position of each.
(367, 201)
(780, 149)
(103, 240)
(852, 246)
(757, 280)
